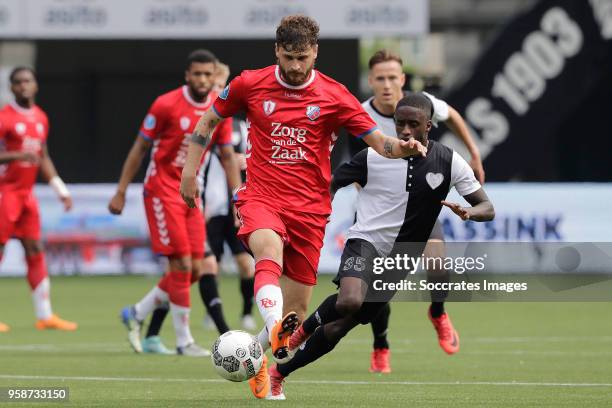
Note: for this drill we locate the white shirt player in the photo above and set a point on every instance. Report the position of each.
(400, 198)
(386, 124)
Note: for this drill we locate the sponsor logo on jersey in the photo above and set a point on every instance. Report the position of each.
(268, 107)
(20, 128)
(225, 93)
(295, 95)
(149, 122)
(313, 112)
(434, 180)
(185, 122)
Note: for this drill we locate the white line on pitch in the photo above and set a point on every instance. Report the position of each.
(318, 382)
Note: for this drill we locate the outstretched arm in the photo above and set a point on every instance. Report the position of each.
(481, 207)
(7, 157)
(200, 139)
(457, 125)
(128, 172)
(49, 174)
(392, 147)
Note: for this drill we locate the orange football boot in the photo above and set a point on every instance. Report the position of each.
(55, 323)
(280, 335)
(448, 338)
(260, 384)
(379, 361)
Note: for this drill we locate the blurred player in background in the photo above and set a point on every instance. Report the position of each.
(177, 232)
(389, 214)
(293, 113)
(386, 79)
(24, 127)
(220, 222)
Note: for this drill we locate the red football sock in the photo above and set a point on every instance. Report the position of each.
(178, 288)
(37, 269)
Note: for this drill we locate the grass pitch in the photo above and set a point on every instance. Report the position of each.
(512, 354)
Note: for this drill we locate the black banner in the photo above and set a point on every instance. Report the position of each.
(542, 67)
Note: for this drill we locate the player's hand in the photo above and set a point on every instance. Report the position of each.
(29, 157)
(237, 222)
(462, 212)
(476, 165)
(67, 201)
(117, 203)
(412, 147)
(189, 190)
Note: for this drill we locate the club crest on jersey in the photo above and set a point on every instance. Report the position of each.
(184, 122)
(20, 128)
(434, 180)
(40, 128)
(224, 93)
(268, 107)
(313, 112)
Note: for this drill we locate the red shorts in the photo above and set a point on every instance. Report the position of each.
(176, 230)
(302, 234)
(19, 216)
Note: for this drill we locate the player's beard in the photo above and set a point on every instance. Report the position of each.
(198, 95)
(296, 79)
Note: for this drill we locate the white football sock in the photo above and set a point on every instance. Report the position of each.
(150, 302)
(264, 339)
(42, 302)
(269, 300)
(180, 319)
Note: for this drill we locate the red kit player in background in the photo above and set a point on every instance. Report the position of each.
(293, 113)
(23, 150)
(177, 232)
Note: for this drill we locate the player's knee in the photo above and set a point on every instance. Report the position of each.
(435, 268)
(32, 248)
(180, 264)
(206, 266)
(348, 305)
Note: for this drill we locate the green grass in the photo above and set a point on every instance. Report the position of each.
(512, 354)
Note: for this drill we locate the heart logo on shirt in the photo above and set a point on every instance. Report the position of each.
(434, 180)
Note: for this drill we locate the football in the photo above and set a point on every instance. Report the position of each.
(237, 355)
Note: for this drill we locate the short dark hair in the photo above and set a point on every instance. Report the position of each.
(202, 56)
(297, 32)
(419, 101)
(19, 69)
(384, 56)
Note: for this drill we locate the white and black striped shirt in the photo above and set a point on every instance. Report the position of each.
(400, 198)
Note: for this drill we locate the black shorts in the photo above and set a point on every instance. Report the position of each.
(357, 261)
(221, 229)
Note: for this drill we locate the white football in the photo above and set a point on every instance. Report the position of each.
(237, 355)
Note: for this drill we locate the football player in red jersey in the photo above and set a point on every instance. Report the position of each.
(294, 113)
(177, 232)
(23, 137)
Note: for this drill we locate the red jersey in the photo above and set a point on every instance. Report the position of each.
(22, 130)
(292, 130)
(168, 124)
